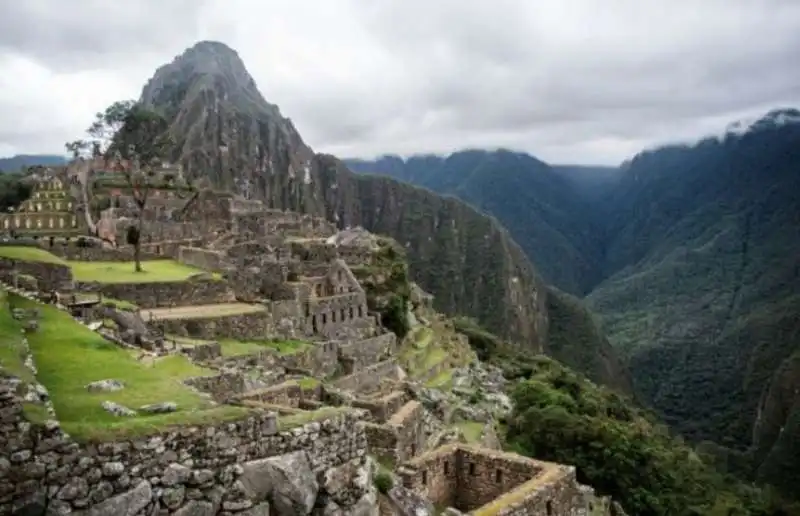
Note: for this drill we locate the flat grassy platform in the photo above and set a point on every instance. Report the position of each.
(202, 311)
(69, 356)
(29, 254)
(123, 272)
(234, 348)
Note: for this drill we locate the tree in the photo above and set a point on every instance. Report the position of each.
(132, 140)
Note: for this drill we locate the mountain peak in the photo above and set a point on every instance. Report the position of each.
(210, 70)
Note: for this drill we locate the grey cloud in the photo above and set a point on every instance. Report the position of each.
(83, 34)
(574, 80)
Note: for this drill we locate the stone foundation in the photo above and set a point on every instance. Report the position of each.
(49, 276)
(370, 379)
(480, 481)
(248, 326)
(163, 294)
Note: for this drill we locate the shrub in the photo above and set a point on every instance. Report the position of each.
(383, 481)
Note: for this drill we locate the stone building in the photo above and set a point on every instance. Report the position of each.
(50, 210)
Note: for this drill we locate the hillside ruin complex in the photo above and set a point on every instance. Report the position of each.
(285, 391)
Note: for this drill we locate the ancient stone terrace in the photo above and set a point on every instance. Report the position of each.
(483, 482)
(49, 211)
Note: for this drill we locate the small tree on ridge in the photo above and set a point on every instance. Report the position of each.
(132, 140)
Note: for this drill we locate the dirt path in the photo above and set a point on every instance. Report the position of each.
(201, 311)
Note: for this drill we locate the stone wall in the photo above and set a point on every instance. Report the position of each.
(247, 326)
(72, 251)
(221, 387)
(287, 394)
(163, 294)
(330, 316)
(320, 360)
(39, 221)
(205, 259)
(49, 276)
(363, 353)
(218, 468)
(409, 424)
(383, 408)
(171, 248)
(371, 378)
(478, 480)
(403, 436)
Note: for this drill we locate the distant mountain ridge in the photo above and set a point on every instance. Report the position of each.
(20, 161)
(535, 201)
(690, 255)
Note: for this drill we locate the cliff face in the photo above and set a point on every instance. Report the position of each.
(230, 137)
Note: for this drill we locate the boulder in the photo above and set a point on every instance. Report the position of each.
(160, 408)
(286, 480)
(129, 503)
(117, 409)
(109, 385)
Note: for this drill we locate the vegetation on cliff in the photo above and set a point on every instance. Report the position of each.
(620, 450)
(691, 253)
(13, 191)
(387, 285)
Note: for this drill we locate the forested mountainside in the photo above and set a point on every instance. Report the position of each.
(21, 161)
(693, 254)
(231, 138)
(537, 204)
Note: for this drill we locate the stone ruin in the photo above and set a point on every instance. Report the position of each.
(269, 275)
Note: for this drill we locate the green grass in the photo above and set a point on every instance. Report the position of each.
(120, 304)
(123, 272)
(12, 349)
(29, 254)
(308, 382)
(63, 349)
(442, 380)
(232, 348)
(472, 430)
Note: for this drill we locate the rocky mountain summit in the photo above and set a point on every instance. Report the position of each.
(230, 137)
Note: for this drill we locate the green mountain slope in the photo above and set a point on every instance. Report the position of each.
(230, 137)
(694, 253)
(537, 204)
(705, 299)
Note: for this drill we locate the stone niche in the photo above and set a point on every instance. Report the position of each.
(478, 480)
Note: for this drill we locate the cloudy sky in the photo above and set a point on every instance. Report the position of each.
(582, 81)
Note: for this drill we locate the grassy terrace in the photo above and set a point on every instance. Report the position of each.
(29, 254)
(123, 272)
(106, 272)
(69, 356)
(234, 348)
(12, 350)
